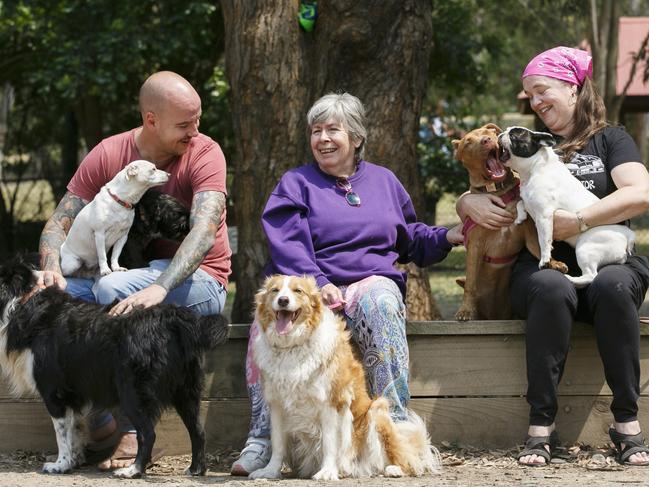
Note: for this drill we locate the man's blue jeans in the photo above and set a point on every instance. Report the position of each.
(200, 292)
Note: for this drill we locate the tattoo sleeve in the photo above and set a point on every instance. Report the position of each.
(205, 216)
(56, 229)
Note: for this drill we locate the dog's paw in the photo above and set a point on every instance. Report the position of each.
(466, 314)
(265, 473)
(195, 471)
(118, 268)
(326, 474)
(104, 271)
(393, 471)
(557, 265)
(132, 472)
(57, 467)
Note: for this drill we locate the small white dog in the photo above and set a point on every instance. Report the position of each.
(324, 425)
(546, 186)
(104, 222)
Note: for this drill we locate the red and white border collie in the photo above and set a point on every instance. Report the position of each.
(324, 425)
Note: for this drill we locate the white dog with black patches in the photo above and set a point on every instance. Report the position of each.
(546, 186)
(104, 222)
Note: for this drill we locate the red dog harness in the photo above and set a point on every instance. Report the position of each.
(469, 225)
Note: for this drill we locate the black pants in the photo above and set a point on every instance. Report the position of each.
(549, 303)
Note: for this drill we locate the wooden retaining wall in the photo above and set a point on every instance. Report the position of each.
(467, 380)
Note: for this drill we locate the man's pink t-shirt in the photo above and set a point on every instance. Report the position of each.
(200, 168)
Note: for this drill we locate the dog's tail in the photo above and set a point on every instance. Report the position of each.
(406, 443)
(213, 331)
(422, 456)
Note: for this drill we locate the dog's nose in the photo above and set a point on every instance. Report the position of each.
(282, 301)
(485, 140)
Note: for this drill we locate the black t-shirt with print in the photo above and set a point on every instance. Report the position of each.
(592, 166)
(603, 152)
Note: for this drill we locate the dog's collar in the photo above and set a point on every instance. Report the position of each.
(493, 187)
(125, 204)
(469, 225)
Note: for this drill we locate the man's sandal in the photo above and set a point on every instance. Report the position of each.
(535, 445)
(632, 444)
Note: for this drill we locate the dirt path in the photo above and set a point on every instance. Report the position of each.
(462, 467)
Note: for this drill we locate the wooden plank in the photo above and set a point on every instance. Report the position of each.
(492, 365)
(496, 422)
(502, 422)
(442, 365)
(482, 327)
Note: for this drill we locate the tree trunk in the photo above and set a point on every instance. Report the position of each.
(377, 51)
(267, 69)
(603, 41)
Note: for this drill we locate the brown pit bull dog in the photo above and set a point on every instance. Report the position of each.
(490, 254)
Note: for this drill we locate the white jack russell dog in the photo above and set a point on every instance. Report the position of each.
(546, 186)
(104, 222)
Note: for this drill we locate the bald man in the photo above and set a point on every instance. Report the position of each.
(194, 273)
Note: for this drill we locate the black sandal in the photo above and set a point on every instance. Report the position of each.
(535, 445)
(632, 444)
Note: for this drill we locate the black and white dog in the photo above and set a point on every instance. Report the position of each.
(157, 215)
(548, 185)
(76, 356)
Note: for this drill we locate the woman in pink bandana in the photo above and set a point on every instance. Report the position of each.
(605, 159)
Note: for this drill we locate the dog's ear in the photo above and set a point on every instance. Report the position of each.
(494, 127)
(456, 148)
(543, 139)
(131, 171)
(263, 290)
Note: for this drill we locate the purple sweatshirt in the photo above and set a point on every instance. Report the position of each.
(311, 229)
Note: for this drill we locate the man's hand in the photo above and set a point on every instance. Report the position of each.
(51, 278)
(145, 298)
(331, 295)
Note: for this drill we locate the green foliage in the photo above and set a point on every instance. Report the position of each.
(59, 53)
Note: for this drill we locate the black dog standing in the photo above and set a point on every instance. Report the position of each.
(77, 356)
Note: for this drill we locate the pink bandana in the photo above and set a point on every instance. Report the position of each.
(564, 63)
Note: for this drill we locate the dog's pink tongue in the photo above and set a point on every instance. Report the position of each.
(496, 169)
(284, 322)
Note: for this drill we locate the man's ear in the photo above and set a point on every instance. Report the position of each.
(149, 119)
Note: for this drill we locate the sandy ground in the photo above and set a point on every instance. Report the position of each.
(462, 467)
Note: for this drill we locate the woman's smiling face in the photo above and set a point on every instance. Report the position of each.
(553, 101)
(333, 148)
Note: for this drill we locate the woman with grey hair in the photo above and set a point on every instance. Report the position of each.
(346, 222)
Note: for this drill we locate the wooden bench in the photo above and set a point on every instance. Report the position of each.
(467, 380)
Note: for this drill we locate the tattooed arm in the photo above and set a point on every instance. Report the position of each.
(53, 236)
(206, 213)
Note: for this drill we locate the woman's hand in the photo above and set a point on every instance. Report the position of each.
(487, 210)
(454, 235)
(565, 224)
(332, 296)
